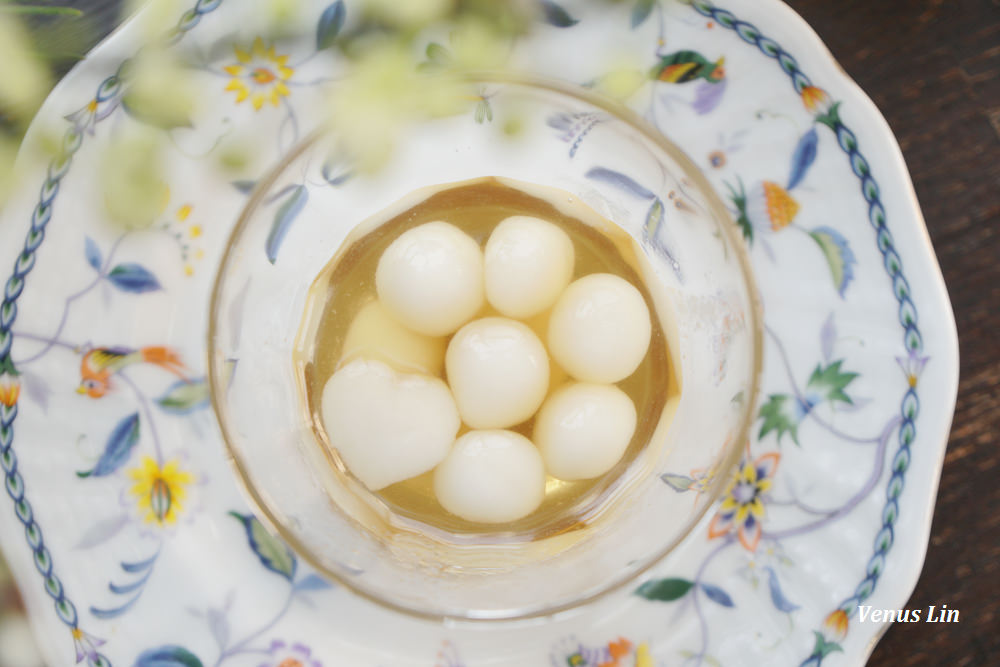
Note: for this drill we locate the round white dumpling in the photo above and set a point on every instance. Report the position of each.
(491, 477)
(528, 263)
(388, 426)
(599, 329)
(583, 430)
(431, 278)
(498, 371)
(377, 335)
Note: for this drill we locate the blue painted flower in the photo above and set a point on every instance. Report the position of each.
(86, 645)
(912, 365)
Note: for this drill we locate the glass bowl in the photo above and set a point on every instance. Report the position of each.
(602, 156)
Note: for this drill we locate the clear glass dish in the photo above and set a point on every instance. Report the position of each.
(299, 216)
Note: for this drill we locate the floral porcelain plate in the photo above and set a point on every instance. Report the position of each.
(126, 530)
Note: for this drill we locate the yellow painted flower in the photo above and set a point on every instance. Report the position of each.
(643, 656)
(10, 389)
(160, 491)
(259, 75)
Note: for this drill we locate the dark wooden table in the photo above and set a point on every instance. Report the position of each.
(933, 68)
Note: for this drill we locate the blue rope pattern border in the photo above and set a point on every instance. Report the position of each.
(40, 217)
(912, 339)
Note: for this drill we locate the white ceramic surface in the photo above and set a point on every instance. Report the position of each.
(152, 558)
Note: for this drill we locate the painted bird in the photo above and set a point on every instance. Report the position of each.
(685, 66)
(99, 364)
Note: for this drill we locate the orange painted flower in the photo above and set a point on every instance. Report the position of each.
(617, 651)
(836, 624)
(779, 206)
(260, 75)
(10, 389)
(816, 99)
(742, 509)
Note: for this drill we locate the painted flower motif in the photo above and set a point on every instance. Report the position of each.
(699, 480)
(836, 624)
(448, 656)
(159, 491)
(817, 100)
(86, 117)
(717, 159)
(282, 654)
(766, 206)
(573, 128)
(260, 75)
(742, 509)
(912, 365)
(86, 645)
(771, 555)
(618, 653)
(10, 389)
(187, 232)
(769, 204)
(571, 652)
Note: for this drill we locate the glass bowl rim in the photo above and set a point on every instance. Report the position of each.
(726, 461)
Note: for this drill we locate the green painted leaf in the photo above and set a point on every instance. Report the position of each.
(641, 12)
(839, 256)
(131, 277)
(438, 53)
(664, 590)
(246, 187)
(168, 656)
(484, 112)
(831, 118)
(330, 23)
(556, 15)
(829, 382)
(779, 415)
(272, 552)
(679, 483)
(438, 58)
(184, 397)
(822, 647)
(40, 10)
(739, 199)
(283, 219)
